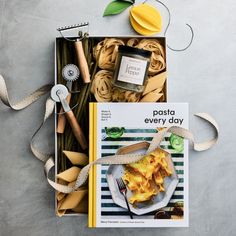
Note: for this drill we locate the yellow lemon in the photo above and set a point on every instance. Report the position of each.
(145, 19)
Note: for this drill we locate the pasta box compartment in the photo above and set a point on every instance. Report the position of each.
(81, 93)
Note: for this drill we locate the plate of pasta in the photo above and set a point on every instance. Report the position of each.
(150, 182)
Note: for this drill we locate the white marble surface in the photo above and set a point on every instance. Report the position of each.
(204, 76)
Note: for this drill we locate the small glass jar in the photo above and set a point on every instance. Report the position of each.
(131, 68)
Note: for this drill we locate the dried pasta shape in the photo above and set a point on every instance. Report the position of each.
(153, 96)
(73, 199)
(60, 196)
(70, 174)
(77, 158)
(102, 86)
(82, 206)
(155, 82)
(59, 212)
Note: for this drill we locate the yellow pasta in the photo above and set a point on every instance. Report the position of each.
(142, 197)
(135, 181)
(145, 178)
(158, 178)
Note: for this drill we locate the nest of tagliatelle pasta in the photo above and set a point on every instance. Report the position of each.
(105, 54)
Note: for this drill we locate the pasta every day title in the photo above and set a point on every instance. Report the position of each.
(158, 117)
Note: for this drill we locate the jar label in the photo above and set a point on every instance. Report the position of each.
(132, 70)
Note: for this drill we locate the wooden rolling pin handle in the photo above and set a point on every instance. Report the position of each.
(77, 131)
(82, 62)
(61, 122)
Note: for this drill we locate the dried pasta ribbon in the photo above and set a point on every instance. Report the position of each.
(120, 95)
(133, 42)
(106, 51)
(157, 63)
(102, 86)
(117, 96)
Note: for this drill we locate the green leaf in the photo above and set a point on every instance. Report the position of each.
(116, 7)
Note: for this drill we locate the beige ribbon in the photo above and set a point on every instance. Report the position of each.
(115, 159)
(130, 158)
(24, 102)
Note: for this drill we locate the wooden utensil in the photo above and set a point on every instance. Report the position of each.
(59, 93)
(61, 120)
(70, 73)
(82, 62)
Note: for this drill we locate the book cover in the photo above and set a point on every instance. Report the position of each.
(152, 192)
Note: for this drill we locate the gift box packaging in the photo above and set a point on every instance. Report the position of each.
(100, 53)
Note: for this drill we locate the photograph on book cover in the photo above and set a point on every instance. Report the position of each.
(152, 192)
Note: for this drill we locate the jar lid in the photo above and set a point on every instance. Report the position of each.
(138, 51)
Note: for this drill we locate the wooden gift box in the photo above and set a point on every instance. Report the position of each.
(65, 54)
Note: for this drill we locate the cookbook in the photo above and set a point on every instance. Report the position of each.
(152, 192)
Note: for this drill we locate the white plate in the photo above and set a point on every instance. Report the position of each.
(159, 201)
